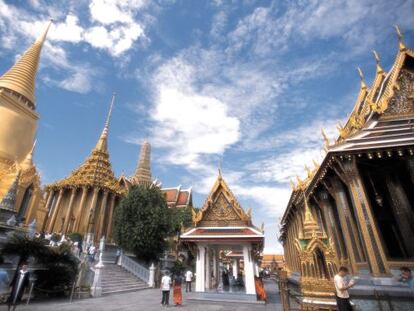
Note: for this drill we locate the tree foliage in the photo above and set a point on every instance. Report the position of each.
(142, 222)
(180, 217)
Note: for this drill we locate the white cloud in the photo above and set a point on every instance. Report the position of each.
(68, 31)
(111, 11)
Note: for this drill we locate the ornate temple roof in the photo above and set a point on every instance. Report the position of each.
(380, 125)
(21, 77)
(96, 170)
(221, 208)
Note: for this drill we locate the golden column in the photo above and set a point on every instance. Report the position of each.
(91, 217)
(49, 201)
(78, 215)
(69, 211)
(375, 252)
(111, 212)
(102, 214)
(332, 227)
(56, 210)
(346, 221)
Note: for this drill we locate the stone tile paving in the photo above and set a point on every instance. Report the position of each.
(149, 300)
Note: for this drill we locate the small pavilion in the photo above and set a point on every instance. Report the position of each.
(222, 227)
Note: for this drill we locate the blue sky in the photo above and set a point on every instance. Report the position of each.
(245, 83)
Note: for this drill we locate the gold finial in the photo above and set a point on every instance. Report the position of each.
(361, 76)
(108, 118)
(400, 38)
(292, 184)
(42, 37)
(315, 163)
(377, 60)
(325, 138)
(308, 171)
(219, 168)
(300, 182)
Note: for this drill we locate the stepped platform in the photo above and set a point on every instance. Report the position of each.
(218, 297)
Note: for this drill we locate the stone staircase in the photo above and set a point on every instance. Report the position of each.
(116, 279)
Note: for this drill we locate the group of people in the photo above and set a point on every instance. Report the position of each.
(343, 282)
(176, 282)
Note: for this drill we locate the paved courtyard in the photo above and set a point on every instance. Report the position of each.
(149, 300)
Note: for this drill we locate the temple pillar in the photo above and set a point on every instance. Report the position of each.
(366, 224)
(215, 266)
(78, 215)
(108, 231)
(332, 226)
(248, 270)
(55, 210)
(208, 271)
(402, 212)
(347, 224)
(200, 268)
(91, 220)
(69, 211)
(235, 268)
(103, 214)
(410, 166)
(49, 201)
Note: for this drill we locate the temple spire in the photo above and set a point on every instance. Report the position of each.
(310, 226)
(28, 161)
(102, 142)
(21, 77)
(143, 170)
(9, 200)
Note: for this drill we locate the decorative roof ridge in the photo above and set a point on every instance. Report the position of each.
(245, 216)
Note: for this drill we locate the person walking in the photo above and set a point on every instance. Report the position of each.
(341, 288)
(91, 253)
(18, 285)
(165, 288)
(118, 254)
(188, 280)
(177, 294)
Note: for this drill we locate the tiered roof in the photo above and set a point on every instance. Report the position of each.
(222, 219)
(380, 125)
(96, 171)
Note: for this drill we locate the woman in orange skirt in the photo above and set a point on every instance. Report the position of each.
(177, 295)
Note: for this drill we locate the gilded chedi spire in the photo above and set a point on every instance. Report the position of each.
(143, 171)
(310, 226)
(22, 76)
(9, 200)
(96, 171)
(102, 144)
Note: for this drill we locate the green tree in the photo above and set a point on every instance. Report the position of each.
(142, 222)
(180, 218)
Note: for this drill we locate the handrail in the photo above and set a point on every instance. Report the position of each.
(135, 268)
